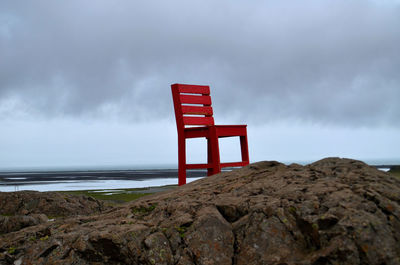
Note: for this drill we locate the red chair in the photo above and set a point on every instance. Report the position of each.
(192, 105)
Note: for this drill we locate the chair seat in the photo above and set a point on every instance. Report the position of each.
(221, 130)
(231, 130)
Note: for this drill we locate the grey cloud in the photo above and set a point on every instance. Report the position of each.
(315, 61)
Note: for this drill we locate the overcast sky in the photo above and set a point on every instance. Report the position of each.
(86, 83)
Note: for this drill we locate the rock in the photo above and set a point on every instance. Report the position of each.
(210, 238)
(333, 211)
(49, 203)
(27, 208)
(17, 222)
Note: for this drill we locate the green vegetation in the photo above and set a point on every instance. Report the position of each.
(11, 250)
(109, 195)
(395, 171)
(292, 210)
(6, 215)
(44, 238)
(115, 196)
(396, 174)
(143, 210)
(119, 195)
(181, 230)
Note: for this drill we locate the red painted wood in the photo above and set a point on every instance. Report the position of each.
(181, 158)
(244, 148)
(205, 132)
(194, 89)
(235, 164)
(197, 110)
(231, 130)
(190, 99)
(208, 130)
(178, 109)
(198, 166)
(214, 151)
(210, 171)
(198, 120)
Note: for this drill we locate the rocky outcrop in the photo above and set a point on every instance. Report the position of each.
(49, 203)
(27, 208)
(334, 211)
(17, 222)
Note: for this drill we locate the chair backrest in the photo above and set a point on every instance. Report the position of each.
(192, 104)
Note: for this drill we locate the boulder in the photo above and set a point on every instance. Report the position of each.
(49, 203)
(27, 208)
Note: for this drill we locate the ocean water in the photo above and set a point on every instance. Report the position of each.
(91, 179)
(90, 184)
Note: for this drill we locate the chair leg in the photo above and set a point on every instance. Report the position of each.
(181, 161)
(214, 149)
(209, 157)
(244, 148)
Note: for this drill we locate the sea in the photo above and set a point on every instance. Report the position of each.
(90, 179)
(68, 179)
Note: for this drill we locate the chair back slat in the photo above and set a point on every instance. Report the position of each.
(190, 89)
(197, 110)
(198, 120)
(189, 99)
(192, 105)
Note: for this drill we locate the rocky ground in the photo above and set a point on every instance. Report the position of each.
(334, 211)
(27, 208)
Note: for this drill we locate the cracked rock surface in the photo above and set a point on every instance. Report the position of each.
(333, 211)
(28, 208)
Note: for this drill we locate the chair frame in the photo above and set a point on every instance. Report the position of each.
(192, 104)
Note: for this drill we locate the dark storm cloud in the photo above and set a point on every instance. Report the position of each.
(316, 61)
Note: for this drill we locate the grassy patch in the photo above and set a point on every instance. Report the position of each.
(117, 196)
(120, 195)
(396, 174)
(395, 171)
